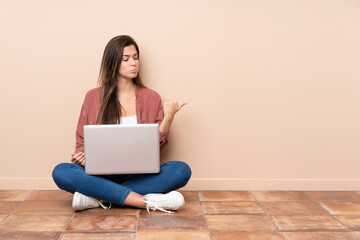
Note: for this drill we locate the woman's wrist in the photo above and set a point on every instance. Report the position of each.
(168, 119)
(165, 125)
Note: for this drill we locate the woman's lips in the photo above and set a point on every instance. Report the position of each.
(134, 71)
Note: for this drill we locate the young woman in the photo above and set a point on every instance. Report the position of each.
(122, 98)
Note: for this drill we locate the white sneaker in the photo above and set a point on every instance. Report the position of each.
(81, 202)
(164, 202)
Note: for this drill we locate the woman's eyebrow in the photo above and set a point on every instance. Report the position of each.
(127, 55)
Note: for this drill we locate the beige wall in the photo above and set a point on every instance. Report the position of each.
(273, 86)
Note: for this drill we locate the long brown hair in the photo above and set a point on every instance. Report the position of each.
(109, 112)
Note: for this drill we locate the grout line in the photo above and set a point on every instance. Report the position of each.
(66, 226)
(266, 213)
(137, 223)
(21, 202)
(31, 193)
(354, 234)
(10, 213)
(332, 216)
(202, 214)
(197, 196)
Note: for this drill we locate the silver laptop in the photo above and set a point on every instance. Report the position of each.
(121, 149)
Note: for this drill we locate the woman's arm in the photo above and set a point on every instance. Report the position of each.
(170, 109)
(79, 147)
(79, 157)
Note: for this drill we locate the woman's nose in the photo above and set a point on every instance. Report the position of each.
(132, 61)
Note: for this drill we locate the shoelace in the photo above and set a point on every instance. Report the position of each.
(154, 207)
(105, 207)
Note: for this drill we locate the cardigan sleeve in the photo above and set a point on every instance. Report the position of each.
(159, 119)
(80, 128)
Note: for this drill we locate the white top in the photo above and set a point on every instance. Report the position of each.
(128, 120)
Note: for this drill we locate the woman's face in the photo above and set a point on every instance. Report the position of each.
(129, 66)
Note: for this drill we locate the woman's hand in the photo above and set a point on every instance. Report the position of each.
(171, 107)
(78, 158)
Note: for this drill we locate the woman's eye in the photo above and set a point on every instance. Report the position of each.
(125, 59)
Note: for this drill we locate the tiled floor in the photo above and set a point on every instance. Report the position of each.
(216, 215)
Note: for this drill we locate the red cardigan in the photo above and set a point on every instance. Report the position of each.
(148, 110)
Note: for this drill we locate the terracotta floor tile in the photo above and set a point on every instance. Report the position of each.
(7, 207)
(246, 236)
(14, 195)
(111, 211)
(173, 223)
(102, 223)
(45, 213)
(251, 223)
(282, 196)
(172, 236)
(339, 207)
(50, 195)
(320, 236)
(47, 207)
(351, 221)
(189, 195)
(224, 196)
(98, 236)
(231, 208)
(30, 235)
(334, 195)
(34, 222)
(293, 208)
(306, 222)
(190, 208)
